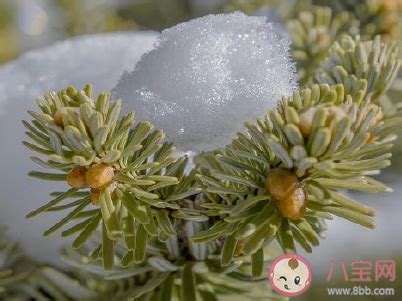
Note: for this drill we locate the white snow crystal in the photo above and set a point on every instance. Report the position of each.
(207, 76)
(99, 60)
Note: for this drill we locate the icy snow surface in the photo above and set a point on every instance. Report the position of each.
(207, 76)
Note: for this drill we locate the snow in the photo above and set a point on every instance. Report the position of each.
(97, 59)
(207, 76)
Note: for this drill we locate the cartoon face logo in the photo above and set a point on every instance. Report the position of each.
(290, 275)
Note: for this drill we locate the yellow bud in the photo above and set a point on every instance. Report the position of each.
(95, 192)
(289, 197)
(100, 175)
(280, 183)
(294, 206)
(95, 195)
(76, 178)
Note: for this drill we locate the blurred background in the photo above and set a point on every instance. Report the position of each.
(30, 24)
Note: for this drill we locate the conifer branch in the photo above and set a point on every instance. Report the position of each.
(144, 223)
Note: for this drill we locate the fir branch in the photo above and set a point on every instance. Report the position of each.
(129, 175)
(318, 141)
(312, 32)
(376, 17)
(182, 235)
(357, 64)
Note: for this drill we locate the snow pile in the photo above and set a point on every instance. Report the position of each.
(207, 76)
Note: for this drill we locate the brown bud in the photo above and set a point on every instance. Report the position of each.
(100, 175)
(58, 119)
(281, 183)
(388, 5)
(95, 195)
(95, 192)
(294, 206)
(76, 178)
(289, 197)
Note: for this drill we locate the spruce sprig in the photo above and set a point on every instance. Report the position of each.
(121, 176)
(11, 261)
(24, 279)
(183, 279)
(279, 180)
(355, 63)
(376, 17)
(312, 32)
(319, 140)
